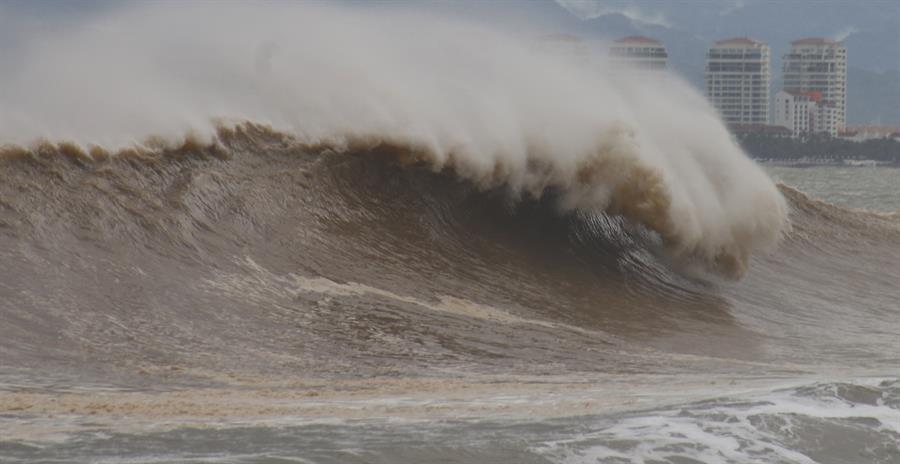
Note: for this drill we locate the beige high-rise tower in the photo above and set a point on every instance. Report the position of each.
(737, 80)
(819, 65)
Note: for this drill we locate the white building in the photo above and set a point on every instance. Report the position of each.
(640, 52)
(737, 80)
(794, 111)
(819, 65)
(805, 113)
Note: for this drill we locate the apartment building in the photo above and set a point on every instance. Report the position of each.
(737, 80)
(819, 65)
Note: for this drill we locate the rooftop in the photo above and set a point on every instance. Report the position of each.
(739, 41)
(815, 41)
(638, 39)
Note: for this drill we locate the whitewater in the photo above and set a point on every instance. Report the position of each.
(372, 233)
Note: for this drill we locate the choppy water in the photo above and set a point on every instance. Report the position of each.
(872, 188)
(259, 301)
(833, 422)
(332, 232)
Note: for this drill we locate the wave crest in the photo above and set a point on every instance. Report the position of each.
(611, 179)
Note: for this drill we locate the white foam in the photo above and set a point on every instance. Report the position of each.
(721, 432)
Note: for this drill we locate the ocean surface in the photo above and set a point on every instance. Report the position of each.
(262, 302)
(865, 187)
(349, 232)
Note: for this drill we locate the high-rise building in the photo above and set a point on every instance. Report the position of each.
(737, 80)
(819, 65)
(640, 52)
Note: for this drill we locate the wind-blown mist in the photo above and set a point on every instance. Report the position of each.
(483, 103)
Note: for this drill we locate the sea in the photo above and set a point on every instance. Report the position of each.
(360, 232)
(264, 303)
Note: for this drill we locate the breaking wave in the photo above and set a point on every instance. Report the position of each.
(409, 161)
(486, 104)
(262, 212)
(608, 200)
(417, 217)
(610, 181)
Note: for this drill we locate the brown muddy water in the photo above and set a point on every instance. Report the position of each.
(265, 301)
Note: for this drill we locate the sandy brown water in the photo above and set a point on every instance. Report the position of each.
(271, 293)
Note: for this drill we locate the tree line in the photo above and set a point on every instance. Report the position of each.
(819, 147)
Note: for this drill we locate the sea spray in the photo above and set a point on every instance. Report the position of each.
(482, 102)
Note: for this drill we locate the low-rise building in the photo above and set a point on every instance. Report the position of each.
(805, 113)
(793, 110)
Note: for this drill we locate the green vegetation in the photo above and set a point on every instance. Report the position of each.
(819, 148)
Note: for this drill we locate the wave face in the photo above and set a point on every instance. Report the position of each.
(263, 279)
(487, 104)
(110, 247)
